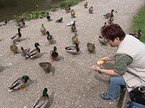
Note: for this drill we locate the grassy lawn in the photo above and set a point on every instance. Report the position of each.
(139, 23)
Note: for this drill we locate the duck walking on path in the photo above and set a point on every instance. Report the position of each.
(19, 83)
(49, 38)
(43, 30)
(54, 54)
(91, 47)
(59, 20)
(17, 36)
(21, 23)
(46, 66)
(75, 39)
(73, 49)
(14, 48)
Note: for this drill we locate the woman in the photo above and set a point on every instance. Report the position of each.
(129, 66)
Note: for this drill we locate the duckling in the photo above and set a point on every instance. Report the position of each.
(91, 10)
(34, 53)
(43, 100)
(137, 34)
(102, 40)
(24, 52)
(54, 54)
(108, 15)
(19, 83)
(86, 4)
(49, 38)
(17, 36)
(43, 30)
(75, 39)
(14, 48)
(91, 47)
(73, 49)
(67, 9)
(59, 20)
(21, 23)
(46, 66)
(48, 17)
(72, 13)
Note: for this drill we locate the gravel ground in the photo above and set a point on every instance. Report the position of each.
(72, 84)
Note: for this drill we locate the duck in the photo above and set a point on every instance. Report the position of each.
(54, 54)
(17, 36)
(71, 23)
(86, 4)
(136, 34)
(43, 100)
(14, 48)
(72, 13)
(34, 53)
(49, 38)
(73, 28)
(43, 30)
(67, 9)
(48, 17)
(21, 24)
(46, 66)
(73, 49)
(102, 40)
(19, 83)
(59, 20)
(24, 52)
(106, 16)
(111, 19)
(91, 10)
(91, 47)
(4, 22)
(75, 39)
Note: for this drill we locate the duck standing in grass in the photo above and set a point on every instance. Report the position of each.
(73, 49)
(24, 52)
(54, 54)
(21, 23)
(75, 39)
(136, 34)
(19, 83)
(49, 38)
(34, 53)
(43, 30)
(46, 66)
(17, 36)
(14, 48)
(91, 10)
(86, 4)
(59, 20)
(43, 100)
(91, 47)
(73, 13)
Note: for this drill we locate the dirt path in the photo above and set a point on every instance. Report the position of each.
(74, 84)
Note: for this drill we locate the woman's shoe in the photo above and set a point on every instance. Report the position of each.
(105, 96)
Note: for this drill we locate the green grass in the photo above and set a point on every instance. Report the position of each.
(42, 14)
(139, 23)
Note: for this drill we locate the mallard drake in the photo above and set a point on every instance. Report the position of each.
(102, 40)
(59, 20)
(34, 53)
(73, 49)
(43, 100)
(19, 83)
(48, 17)
(43, 30)
(67, 9)
(24, 52)
(75, 38)
(111, 19)
(86, 4)
(71, 23)
(73, 28)
(21, 23)
(14, 48)
(17, 36)
(46, 66)
(72, 13)
(108, 15)
(54, 54)
(137, 34)
(91, 10)
(91, 47)
(49, 38)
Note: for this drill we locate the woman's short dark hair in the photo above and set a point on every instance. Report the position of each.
(112, 31)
